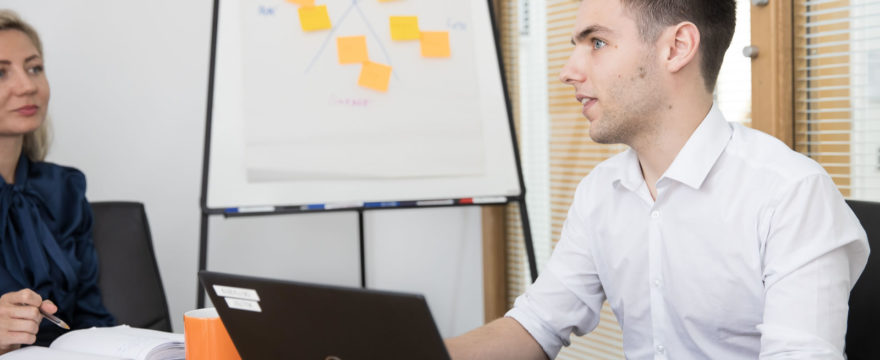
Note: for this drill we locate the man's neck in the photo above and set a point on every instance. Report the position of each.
(657, 150)
(10, 151)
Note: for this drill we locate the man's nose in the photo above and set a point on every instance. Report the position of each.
(572, 72)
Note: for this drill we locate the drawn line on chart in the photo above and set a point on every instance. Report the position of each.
(327, 40)
(338, 24)
(376, 36)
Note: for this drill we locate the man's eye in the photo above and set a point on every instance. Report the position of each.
(598, 44)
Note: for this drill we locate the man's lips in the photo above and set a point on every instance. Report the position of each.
(587, 102)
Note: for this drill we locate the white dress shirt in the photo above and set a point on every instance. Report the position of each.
(749, 251)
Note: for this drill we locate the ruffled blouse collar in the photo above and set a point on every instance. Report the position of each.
(30, 252)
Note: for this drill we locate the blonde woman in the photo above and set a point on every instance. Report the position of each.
(47, 258)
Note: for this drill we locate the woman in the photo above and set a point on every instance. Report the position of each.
(46, 253)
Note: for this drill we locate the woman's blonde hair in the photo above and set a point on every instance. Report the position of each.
(36, 143)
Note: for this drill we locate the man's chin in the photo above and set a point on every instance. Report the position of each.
(601, 137)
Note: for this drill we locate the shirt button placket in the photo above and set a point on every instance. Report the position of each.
(659, 351)
(658, 304)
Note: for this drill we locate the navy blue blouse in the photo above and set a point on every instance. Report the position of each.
(46, 244)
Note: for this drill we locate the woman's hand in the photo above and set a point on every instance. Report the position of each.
(20, 318)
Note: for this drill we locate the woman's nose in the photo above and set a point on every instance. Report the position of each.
(23, 83)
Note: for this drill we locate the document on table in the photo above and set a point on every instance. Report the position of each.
(119, 342)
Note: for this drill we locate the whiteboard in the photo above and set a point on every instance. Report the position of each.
(292, 124)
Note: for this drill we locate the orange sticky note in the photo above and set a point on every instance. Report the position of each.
(435, 44)
(375, 76)
(313, 18)
(404, 27)
(352, 49)
(302, 2)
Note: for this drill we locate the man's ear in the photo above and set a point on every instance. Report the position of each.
(682, 42)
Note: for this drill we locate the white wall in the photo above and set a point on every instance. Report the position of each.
(436, 252)
(129, 86)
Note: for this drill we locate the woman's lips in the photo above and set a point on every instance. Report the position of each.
(27, 110)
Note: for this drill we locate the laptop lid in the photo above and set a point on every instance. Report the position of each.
(276, 319)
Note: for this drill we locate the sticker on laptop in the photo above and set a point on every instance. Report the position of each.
(240, 304)
(236, 292)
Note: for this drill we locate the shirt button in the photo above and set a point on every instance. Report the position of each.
(655, 214)
(659, 349)
(657, 283)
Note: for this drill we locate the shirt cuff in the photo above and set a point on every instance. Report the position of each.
(548, 341)
(778, 342)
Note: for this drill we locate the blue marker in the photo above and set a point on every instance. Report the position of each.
(313, 207)
(381, 204)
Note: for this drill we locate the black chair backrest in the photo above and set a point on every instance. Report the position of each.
(128, 275)
(863, 332)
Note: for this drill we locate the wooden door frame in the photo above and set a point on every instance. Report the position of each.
(772, 74)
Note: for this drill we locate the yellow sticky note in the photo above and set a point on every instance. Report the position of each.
(352, 49)
(404, 27)
(435, 44)
(302, 2)
(386, 0)
(314, 18)
(375, 76)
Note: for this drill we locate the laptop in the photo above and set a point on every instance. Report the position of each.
(276, 319)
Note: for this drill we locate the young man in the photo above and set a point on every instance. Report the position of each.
(708, 239)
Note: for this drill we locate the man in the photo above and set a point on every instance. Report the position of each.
(708, 239)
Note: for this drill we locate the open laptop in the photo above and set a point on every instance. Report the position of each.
(275, 319)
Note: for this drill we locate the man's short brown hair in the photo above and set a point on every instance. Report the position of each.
(715, 19)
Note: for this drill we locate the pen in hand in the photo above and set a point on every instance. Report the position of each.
(55, 320)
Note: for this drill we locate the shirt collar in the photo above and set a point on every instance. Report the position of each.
(21, 171)
(631, 175)
(693, 162)
(702, 150)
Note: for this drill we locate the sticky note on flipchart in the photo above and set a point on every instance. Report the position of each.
(352, 49)
(313, 18)
(404, 27)
(375, 76)
(435, 44)
(302, 2)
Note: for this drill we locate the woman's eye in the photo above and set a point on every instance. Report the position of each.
(36, 69)
(598, 44)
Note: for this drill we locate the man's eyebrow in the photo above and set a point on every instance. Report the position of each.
(585, 33)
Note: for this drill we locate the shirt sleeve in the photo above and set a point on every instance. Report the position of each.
(814, 252)
(567, 297)
(90, 310)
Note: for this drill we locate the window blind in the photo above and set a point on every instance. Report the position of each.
(837, 91)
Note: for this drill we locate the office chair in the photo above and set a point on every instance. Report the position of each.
(128, 276)
(863, 325)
